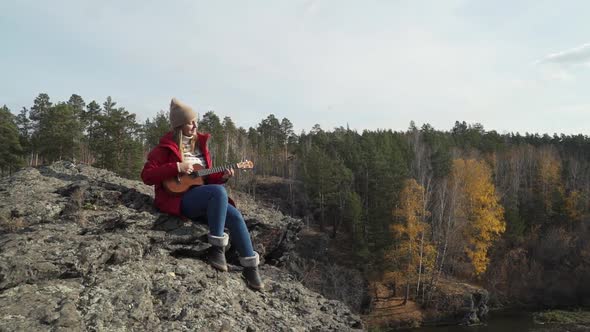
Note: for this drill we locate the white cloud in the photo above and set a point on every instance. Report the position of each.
(579, 55)
(562, 66)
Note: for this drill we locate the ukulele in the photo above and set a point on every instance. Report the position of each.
(183, 182)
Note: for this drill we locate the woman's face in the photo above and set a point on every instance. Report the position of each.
(189, 129)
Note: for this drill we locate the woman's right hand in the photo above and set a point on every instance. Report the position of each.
(185, 167)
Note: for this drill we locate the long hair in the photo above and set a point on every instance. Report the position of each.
(178, 140)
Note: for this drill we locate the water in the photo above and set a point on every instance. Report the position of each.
(497, 322)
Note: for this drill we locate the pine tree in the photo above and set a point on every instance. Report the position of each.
(10, 148)
(59, 133)
(89, 123)
(117, 141)
(24, 133)
(211, 124)
(230, 132)
(287, 138)
(41, 106)
(154, 129)
(77, 105)
(328, 182)
(270, 145)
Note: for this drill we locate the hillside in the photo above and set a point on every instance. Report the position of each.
(83, 249)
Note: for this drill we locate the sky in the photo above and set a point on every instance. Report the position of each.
(513, 66)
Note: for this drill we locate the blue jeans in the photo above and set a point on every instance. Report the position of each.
(211, 201)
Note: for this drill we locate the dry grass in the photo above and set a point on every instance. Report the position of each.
(82, 220)
(78, 198)
(77, 201)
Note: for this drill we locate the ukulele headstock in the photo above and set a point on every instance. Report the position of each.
(246, 164)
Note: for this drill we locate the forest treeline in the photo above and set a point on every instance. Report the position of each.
(507, 210)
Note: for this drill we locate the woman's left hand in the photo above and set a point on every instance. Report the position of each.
(228, 174)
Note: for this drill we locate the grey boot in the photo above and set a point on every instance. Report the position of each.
(216, 253)
(250, 273)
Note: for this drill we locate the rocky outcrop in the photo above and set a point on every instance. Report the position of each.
(82, 249)
(451, 302)
(314, 263)
(455, 302)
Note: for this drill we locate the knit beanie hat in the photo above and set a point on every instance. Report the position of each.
(180, 113)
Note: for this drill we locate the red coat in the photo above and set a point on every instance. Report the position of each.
(161, 165)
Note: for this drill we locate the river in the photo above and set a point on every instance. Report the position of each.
(497, 322)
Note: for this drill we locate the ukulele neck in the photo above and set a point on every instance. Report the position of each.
(213, 170)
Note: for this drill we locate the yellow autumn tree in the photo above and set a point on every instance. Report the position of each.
(480, 207)
(414, 247)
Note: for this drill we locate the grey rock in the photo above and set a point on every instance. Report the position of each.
(83, 249)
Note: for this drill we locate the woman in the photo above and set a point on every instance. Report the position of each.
(177, 152)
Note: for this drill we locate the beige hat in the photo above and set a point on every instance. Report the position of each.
(180, 113)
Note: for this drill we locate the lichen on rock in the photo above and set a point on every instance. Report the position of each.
(83, 249)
